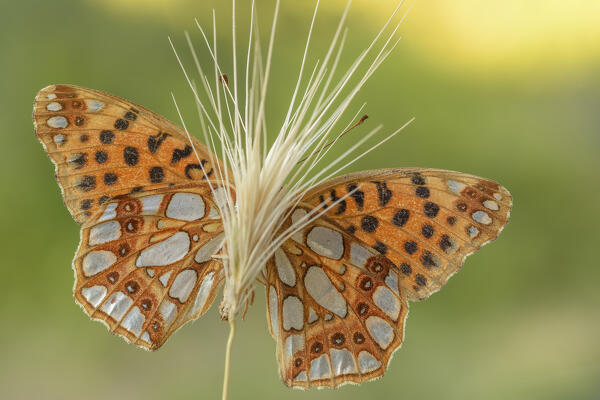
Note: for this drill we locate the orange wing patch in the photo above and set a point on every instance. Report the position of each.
(104, 146)
(425, 221)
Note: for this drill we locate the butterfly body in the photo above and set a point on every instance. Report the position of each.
(357, 248)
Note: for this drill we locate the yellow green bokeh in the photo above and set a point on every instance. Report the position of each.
(506, 90)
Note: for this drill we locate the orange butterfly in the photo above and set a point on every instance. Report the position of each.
(337, 291)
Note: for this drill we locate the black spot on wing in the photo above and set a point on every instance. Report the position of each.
(87, 183)
(178, 154)
(121, 124)
(101, 157)
(405, 268)
(431, 209)
(86, 204)
(369, 223)
(157, 175)
(383, 193)
(131, 156)
(357, 195)
(427, 231)
(401, 217)
(130, 116)
(422, 191)
(410, 246)
(106, 136)
(190, 167)
(341, 204)
(78, 161)
(110, 179)
(446, 243)
(322, 202)
(155, 141)
(417, 179)
(380, 247)
(428, 260)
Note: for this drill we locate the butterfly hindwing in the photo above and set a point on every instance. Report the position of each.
(104, 146)
(334, 306)
(144, 266)
(425, 221)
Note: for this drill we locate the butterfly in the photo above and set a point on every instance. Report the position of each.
(337, 290)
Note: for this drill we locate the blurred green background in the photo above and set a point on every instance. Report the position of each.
(507, 90)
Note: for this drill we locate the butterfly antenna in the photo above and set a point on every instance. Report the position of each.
(331, 143)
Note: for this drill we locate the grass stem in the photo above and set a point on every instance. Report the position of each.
(228, 358)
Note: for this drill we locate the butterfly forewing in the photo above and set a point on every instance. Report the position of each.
(425, 221)
(104, 146)
(144, 265)
(335, 308)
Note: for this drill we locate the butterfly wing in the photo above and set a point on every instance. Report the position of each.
(144, 266)
(104, 146)
(149, 219)
(338, 290)
(425, 221)
(334, 307)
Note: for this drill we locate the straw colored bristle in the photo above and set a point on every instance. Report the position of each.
(269, 179)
